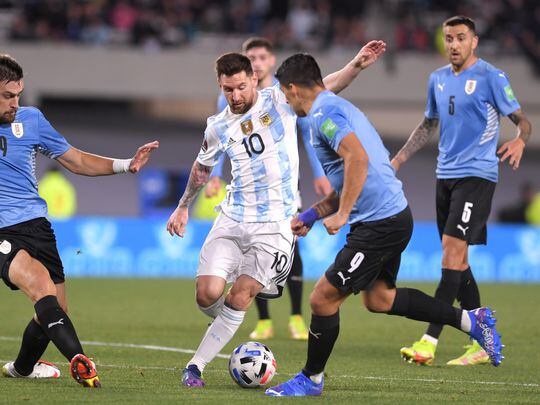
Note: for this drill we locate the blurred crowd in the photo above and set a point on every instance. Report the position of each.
(510, 25)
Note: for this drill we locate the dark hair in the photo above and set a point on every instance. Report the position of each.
(460, 20)
(257, 42)
(301, 69)
(10, 70)
(232, 63)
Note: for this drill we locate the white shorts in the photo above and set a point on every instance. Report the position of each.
(262, 251)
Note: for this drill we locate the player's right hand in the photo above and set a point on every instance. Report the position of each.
(178, 221)
(213, 187)
(298, 228)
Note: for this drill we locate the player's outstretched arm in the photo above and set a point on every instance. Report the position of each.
(367, 56)
(88, 164)
(513, 150)
(419, 137)
(355, 168)
(197, 180)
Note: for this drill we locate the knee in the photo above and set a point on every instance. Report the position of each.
(39, 288)
(454, 252)
(318, 302)
(207, 296)
(239, 299)
(378, 302)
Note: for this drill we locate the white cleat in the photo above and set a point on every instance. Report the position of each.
(42, 369)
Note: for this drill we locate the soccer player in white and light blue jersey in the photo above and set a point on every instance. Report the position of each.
(251, 242)
(260, 52)
(369, 197)
(467, 98)
(29, 259)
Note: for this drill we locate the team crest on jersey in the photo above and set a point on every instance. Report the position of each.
(265, 119)
(17, 129)
(247, 127)
(470, 86)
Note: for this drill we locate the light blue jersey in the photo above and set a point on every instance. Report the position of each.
(468, 106)
(332, 118)
(20, 141)
(262, 146)
(303, 128)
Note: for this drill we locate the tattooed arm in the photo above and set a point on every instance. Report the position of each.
(514, 149)
(419, 137)
(197, 180)
(328, 205)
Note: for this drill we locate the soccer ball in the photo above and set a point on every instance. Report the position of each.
(252, 365)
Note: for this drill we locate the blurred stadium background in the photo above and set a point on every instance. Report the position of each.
(113, 74)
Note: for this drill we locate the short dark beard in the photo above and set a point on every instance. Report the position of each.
(4, 120)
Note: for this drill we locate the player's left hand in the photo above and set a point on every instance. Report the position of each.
(142, 155)
(322, 186)
(369, 54)
(334, 223)
(514, 150)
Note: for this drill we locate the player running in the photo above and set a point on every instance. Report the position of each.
(251, 243)
(29, 259)
(370, 198)
(467, 97)
(260, 53)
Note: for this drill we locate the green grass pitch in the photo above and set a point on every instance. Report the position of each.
(364, 368)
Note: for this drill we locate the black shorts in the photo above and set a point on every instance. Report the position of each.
(372, 252)
(463, 207)
(35, 237)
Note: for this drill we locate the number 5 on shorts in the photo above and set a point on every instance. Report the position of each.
(466, 216)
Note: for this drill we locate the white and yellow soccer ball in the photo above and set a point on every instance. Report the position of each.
(252, 365)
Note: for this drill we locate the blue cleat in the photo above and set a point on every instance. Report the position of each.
(191, 377)
(484, 332)
(299, 386)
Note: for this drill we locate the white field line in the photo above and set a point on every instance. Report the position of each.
(222, 356)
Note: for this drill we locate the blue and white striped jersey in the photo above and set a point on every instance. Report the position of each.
(20, 141)
(468, 106)
(262, 146)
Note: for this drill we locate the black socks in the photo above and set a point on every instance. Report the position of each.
(58, 327)
(414, 304)
(323, 333)
(447, 291)
(468, 295)
(295, 284)
(34, 343)
(262, 308)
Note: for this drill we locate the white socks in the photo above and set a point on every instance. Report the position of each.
(466, 322)
(213, 310)
(317, 378)
(219, 333)
(430, 339)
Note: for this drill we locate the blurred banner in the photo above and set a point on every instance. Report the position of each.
(110, 247)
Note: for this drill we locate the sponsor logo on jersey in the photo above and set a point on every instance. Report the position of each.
(247, 127)
(5, 247)
(265, 119)
(17, 129)
(329, 128)
(509, 93)
(441, 86)
(230, 142)
(470, 86)
(204, 146)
